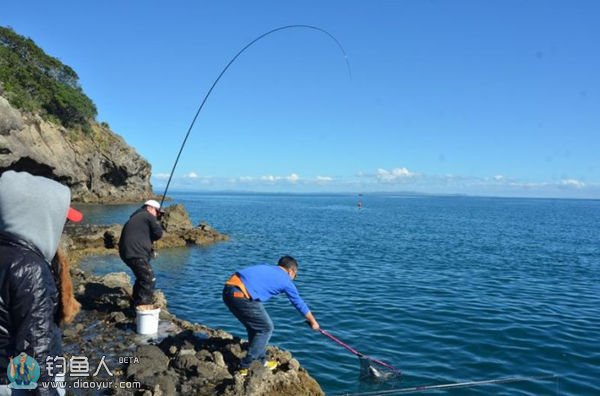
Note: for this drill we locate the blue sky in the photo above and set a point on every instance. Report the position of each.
(460, 97)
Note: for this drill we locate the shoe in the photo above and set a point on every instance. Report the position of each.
(271, 364)
(243, 372)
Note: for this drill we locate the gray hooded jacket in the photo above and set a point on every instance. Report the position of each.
(34, 208)
(33, 212)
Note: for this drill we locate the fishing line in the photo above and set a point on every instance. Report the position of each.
(457, 385)
(227, 67)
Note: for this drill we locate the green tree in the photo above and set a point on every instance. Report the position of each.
(36, 82)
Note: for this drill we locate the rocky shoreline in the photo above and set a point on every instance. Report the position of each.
(93, 239)
(182, 358)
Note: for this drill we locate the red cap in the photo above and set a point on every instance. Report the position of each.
(74, 215)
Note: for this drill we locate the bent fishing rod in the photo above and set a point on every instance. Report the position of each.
(227, 67)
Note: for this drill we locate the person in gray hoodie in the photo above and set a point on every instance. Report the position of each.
(33, 212)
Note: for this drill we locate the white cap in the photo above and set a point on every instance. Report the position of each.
(152, 203)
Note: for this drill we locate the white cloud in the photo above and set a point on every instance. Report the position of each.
(396, 174)
(323, 179)
(269, 178)
(161, 176)
(293, 178)
(528, 185)
(499, 178)
(572, 183)
(191, 175)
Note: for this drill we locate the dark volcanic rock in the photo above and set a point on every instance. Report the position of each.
(151, 361)
(179, 230)
(176, 219)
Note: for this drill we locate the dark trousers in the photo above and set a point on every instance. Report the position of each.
(255, 318)
(143, 288)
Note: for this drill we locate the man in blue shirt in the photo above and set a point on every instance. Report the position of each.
(244, 294)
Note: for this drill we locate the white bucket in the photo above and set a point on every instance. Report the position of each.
(146, 320)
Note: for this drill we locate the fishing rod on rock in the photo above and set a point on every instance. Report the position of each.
(227, 67)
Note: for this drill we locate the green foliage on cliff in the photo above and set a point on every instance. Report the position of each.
(36, 82)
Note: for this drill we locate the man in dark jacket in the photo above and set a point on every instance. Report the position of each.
(33, 210)
(135, 249)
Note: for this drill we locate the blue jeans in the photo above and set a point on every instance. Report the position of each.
(255, 318)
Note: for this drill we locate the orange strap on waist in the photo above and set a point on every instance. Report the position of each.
(237, 282)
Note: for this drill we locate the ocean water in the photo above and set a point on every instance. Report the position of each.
(448, 289)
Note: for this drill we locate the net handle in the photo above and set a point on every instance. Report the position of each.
(355, 352)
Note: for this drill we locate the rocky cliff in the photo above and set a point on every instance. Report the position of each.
(97, 165)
